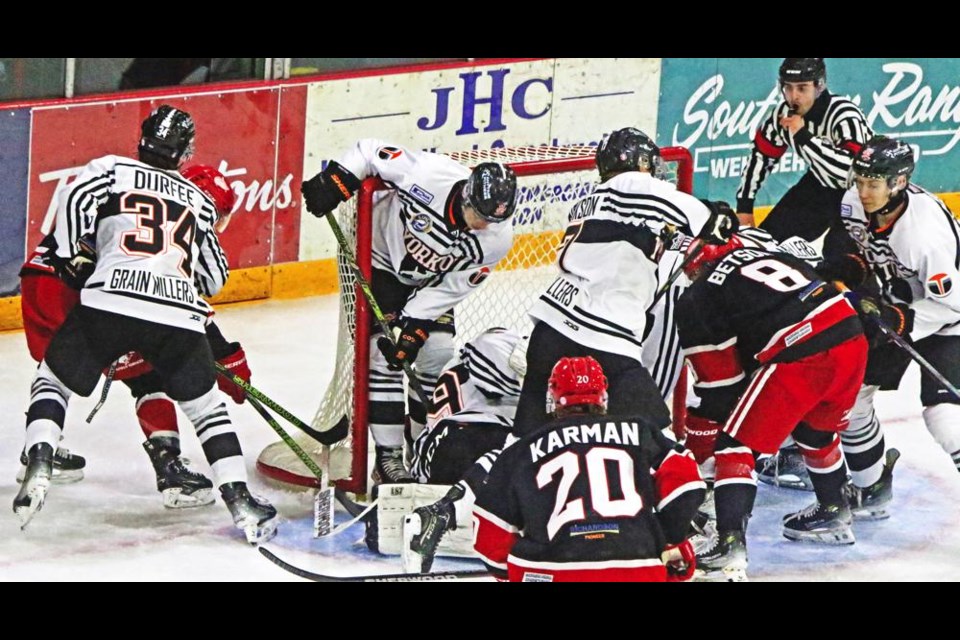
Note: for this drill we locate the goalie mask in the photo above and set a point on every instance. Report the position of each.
(577, 382)
(166, 137)
(214, 184)
(491, 191)
(887, 159)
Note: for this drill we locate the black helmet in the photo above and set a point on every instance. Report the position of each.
(166, 137)
(491, 190)
(627, 149)
(804, 70)
(883, 158)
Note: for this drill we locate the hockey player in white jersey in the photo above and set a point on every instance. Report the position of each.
(608, 260)
(438, 232)
(156, 253)
(911, 242)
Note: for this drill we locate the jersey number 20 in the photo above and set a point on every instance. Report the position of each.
(568, 465)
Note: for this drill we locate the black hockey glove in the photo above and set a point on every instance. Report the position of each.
(77, 270)
(325, 191)
(413, 335)
(897, 317)
(850, 269)
(721, 225)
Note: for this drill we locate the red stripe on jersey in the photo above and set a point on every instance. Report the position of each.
(767, 148)
(824, 458)
(676, 475)
(654, 573)
(713, 363)
(492, 541)
(820, 319)
(734, 464)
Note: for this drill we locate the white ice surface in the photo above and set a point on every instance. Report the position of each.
(112, 525)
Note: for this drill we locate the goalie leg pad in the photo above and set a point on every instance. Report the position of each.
(396, 501)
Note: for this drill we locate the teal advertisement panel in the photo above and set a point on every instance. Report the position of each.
(713, 106)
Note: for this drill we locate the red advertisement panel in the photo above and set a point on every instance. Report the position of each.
(236, 133)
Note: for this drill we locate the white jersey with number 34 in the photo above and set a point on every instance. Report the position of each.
(157, 251)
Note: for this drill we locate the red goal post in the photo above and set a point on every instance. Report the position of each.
(550, 180)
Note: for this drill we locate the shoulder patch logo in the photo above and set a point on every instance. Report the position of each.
(939, 285)
(421, 222)
(389, 153)
(846, 211)
(479, 276)
(421, 194)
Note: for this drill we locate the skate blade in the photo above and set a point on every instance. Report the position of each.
(786, 482)
(37, 495)
(870, 514)
(59, 476)
(721, 575)
(177, 499)
(259, 534)
(844, 537)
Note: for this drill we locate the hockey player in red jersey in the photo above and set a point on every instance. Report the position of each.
(140, 292)
(775, 350)
(588, 497)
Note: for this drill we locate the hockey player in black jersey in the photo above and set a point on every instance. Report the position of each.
(440, 229)
(775, 350)
(157, 253)
(588, 497)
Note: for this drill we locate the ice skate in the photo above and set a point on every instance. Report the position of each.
(36, 482)
(180, 486)
(255, 517)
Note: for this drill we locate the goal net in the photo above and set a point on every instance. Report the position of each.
(550, 180)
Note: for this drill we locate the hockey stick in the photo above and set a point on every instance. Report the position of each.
(322, 503)
(383, 577)
(103, 394)
(323, 437)
(692, 254)
(377, 313)
(901, 342)
(340, 528)
(297, 449)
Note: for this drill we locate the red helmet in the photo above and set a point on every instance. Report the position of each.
(214, 184)
(576, 381)
(709, 255)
